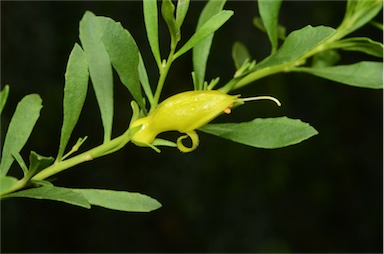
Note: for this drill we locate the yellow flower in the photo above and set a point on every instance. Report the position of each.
(184, 112)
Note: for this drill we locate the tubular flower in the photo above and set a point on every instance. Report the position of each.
(185, 112)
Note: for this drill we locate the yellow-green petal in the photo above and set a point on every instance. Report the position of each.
(195, 142)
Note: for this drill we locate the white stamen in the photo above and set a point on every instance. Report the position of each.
(262, 98)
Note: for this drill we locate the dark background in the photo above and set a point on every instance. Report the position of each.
(322, 195)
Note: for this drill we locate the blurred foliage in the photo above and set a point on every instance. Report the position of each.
(323, 195)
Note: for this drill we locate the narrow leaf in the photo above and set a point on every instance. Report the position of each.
(120, 200)
(181, 11)
(201, 50)
(163, 142)
(358, 13)
(21, 163)
(23, 120)
(75, 148)
(39, 183)
(297, 45)
(362, 74)
(53, 193)
(6, 182)
(143, 76)
(377, 25)
(269, 13)
(325, 58)
(151, 26)
(263, 133)
(281, 30)
(360, 44)
(38, 162)
(205, 30)
(168, 12)
(124, 55)
(100, 69)
(75, 92)
(240, 54)
(3, 97)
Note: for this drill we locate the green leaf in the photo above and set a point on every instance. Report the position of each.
(263, 133)
(21, 163)
(204, 31)
(181, 11)
(151, 26)
(297, 45)
(124, 55)
(38, 162)
(120, 200)
(358, 13)
(360, 44)
(53, 193)
(116, 200)
(6, 182)
(75, 92)
(376, 24)
(143, 76)
(100, 69)
(211, 84)
(23, 120)
(163, 142)
(281, 30)
(201, 50)
(75, 148)
(3, 97)
(269, 13)
(325, 58)
(168, 11)
(362, 74)
(135, 115)
(39, 183)
(240, 54)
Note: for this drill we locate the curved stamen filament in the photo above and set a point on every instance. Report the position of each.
(262, 98)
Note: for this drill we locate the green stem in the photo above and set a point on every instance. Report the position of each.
(285, 67)
(258, 74)
(229, 86)
(341, 31)
(18, 185)
(163, 75)
(89, 155)
(101, 150)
